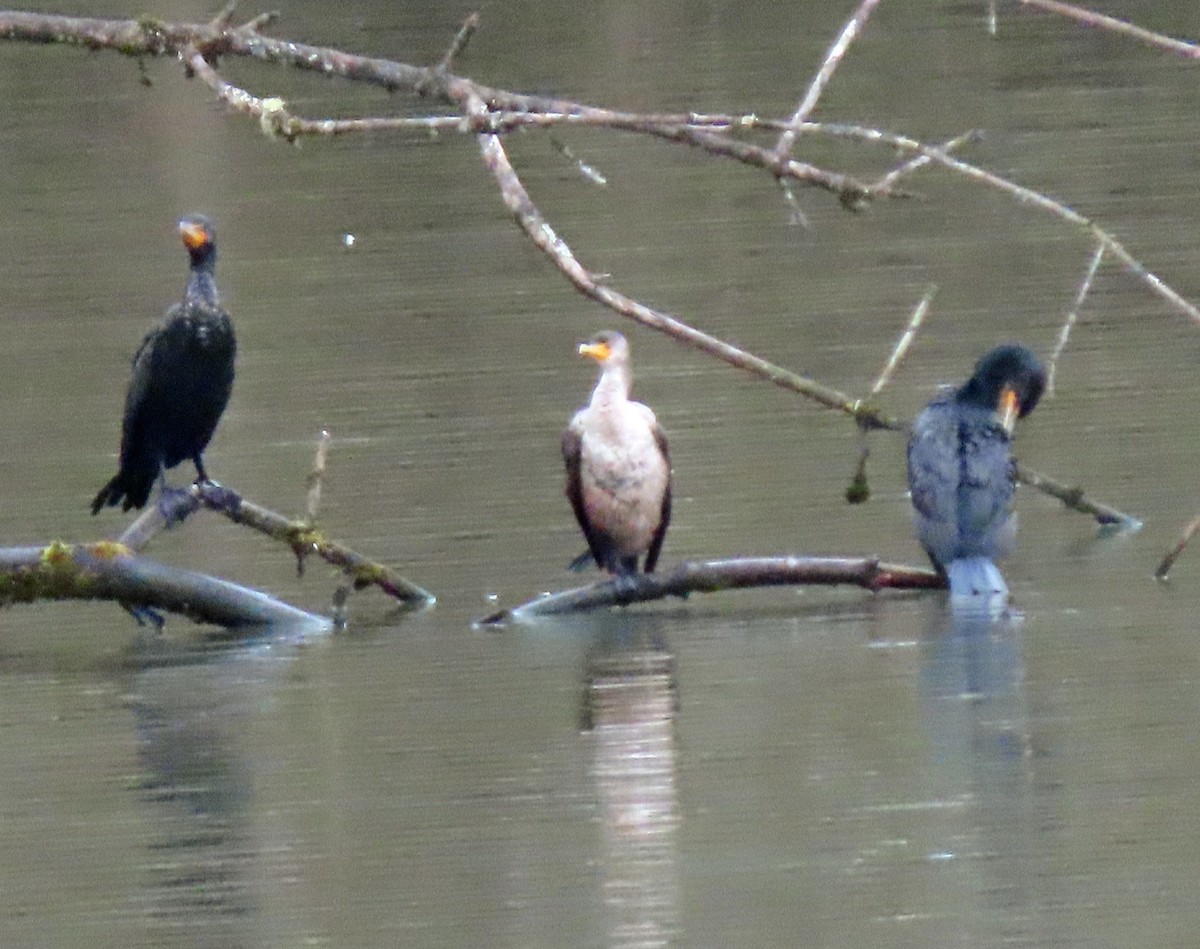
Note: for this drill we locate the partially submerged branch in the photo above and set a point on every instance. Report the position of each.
(711, 576)
(111, 571)
(1164, 568)
(1074, 497)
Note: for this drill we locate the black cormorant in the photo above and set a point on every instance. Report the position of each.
(961, 473)
(182, 377)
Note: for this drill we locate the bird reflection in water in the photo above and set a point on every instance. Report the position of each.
(204, 864)
(1001, 843)
(629, 710)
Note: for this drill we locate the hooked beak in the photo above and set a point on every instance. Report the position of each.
(597, 351)
(194, 235)
(1010, 408)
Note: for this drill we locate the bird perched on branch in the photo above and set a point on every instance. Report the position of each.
(618, 467)
(182, 377)
(961, 473)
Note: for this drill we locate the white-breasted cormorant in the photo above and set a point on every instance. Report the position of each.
(618, 467)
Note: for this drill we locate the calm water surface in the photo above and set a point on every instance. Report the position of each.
(805, 767)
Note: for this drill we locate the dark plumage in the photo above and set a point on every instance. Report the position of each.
(961, 473)
(182, 377)
(618, 467)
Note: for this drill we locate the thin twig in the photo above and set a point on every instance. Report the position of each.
(714, 575)
(905, 340)
(885, 184)
(1113, 25)
(833, 58)
(797, 217)
(1164, 568)
(315, 477)
(1022, 194)
(225, 16)
(461, 38)
(1064, 334)
(587, 171)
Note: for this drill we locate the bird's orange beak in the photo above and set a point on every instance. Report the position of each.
(598, 351)
(1010, 408)
(194, 235)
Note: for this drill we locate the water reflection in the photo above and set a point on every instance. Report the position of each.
(975, 711)
(629, 708)
(197, 786)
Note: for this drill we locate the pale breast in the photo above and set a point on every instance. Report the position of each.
(623, 475)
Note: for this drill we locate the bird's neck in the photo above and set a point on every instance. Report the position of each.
(202, 285)
(973, 393)
(613, 387)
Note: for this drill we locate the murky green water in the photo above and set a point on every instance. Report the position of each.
(769, 768)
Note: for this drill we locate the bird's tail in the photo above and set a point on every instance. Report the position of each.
(975, 576)
(128, 490)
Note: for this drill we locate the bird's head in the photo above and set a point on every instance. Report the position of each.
(606, 348)
(1009, 380)
(198, 237)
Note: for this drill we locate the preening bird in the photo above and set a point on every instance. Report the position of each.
(181, 380)
(961, 473)
(618, 466)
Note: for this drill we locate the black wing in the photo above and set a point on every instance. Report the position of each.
(665, 515)
(572, 450)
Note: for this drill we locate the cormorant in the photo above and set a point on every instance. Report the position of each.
(961, 473)
(182, 377)
(618, 468)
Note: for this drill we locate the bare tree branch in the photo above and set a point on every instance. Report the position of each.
(712, 576)
(833, 58)
(488, 109)
(461, 38)
(905, 341)
(1113, 25)
(300, 536)
(884, 184)
(315, 477)
(1064, 334)
(1164, 569)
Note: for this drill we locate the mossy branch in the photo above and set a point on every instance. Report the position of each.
(300, 536)
(111, 571)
